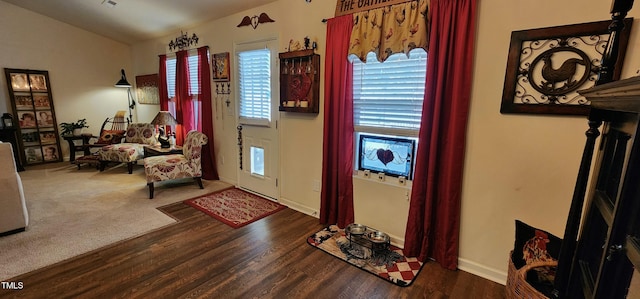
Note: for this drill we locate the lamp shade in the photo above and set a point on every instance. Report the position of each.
(164, 118)
(123, 80)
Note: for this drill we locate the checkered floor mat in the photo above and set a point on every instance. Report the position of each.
(389, 264)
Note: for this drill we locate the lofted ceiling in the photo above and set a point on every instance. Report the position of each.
(131, 21)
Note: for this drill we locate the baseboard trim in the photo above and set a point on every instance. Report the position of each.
(300, 208)
(483, 271)
(228, 181)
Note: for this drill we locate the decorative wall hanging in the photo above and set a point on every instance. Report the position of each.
(255, 20)
(220, 67)
(547, 66)
(37, 128)
(184, 41)
(147, 87)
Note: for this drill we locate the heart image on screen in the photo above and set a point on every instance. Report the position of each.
(385, 156)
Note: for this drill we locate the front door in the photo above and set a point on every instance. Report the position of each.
(258, 146)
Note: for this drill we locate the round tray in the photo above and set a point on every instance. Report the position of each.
(378, 237)
(355, 229)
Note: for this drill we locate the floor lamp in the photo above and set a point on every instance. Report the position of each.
(130, 101)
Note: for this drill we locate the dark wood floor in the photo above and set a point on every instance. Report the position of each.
(200, 257)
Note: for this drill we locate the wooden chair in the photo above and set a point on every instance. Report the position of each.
(176, 166)
(106, 137)
(113, 135)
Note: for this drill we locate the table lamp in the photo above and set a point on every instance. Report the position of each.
(164, 118)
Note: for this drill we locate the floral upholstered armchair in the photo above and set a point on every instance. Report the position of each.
(137, 137)
(176, 166)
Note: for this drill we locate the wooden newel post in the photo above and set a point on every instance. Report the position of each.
(619, 9)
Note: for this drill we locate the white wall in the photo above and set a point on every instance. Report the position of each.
(82, 66)
(519, 166)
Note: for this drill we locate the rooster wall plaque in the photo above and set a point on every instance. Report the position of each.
(546, 67)
(255, 20)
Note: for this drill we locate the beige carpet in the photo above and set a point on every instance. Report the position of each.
(75, 211)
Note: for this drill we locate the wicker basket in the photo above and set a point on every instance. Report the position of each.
(517, 285)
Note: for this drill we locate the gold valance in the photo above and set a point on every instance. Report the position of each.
(391, 29)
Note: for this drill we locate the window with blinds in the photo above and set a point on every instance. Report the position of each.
(387, 107)
(387, 97)
(254, 82)
(194, 86)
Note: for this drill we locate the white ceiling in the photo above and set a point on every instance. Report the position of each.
(130, 21)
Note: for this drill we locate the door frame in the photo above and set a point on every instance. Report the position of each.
(273, 43)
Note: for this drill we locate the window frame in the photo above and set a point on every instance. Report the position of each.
(255, 46)
(399, 134)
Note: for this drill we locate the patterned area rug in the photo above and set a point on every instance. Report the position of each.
(235, 207)
(389, 264)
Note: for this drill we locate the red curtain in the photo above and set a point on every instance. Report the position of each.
(433, 225)
(184, 104)
(209, 170)
(336, 203)
(162, 88)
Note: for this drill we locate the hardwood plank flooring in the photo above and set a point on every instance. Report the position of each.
(200, 257)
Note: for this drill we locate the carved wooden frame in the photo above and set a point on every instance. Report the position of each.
(521, 92)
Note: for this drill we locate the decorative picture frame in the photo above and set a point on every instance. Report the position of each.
(33, 116)
(19, 82)
(547, 66)
(220, 67)
(38, 82)
(147, 89)
(27, 119)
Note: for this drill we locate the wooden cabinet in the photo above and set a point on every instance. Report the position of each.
(608, 247)
(8, 134)
(32, 103)
(300, 81)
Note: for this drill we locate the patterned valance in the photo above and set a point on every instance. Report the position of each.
(391, 29)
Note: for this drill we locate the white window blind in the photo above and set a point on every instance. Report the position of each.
(194, 88)
(387, 97)
(193, 75)
(254, 82)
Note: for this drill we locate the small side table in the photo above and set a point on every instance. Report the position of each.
(150, 151)
(73, 147)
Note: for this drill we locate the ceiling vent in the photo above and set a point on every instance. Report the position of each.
(109, 3)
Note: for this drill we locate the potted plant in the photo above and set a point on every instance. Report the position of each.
(74, 128)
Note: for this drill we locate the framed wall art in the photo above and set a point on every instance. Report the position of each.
(547, 66)
(147, 89)
(220, 66)
(35, 118)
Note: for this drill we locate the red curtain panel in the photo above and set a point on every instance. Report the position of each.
(209, 169)
(336, 203)
(433, 225)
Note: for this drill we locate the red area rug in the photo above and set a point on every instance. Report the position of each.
(235, 207)
(390, 264)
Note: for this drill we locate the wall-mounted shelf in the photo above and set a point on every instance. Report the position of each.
(300, 81)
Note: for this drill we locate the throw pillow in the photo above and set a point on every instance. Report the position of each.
(534, 244)
(110, 137)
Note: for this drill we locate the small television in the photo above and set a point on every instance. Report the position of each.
(391, 155)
